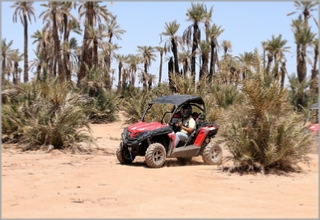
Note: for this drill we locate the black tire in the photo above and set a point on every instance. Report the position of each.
(183, 160)
(212, 154)
(123, 155)
(155, 155)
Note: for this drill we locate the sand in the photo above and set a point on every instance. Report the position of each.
(59, 184)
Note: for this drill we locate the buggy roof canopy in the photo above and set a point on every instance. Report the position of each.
(178, 99)
(314, 106)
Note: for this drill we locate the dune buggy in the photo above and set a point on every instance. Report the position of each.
(312, 120)
(154, 137)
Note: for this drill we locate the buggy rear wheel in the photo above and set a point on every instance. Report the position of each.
(123, 155)
(155, 155)
(212, 154)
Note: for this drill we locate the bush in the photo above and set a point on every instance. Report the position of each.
(47, 112)
(264, 131)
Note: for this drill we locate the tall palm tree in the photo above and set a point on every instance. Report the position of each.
(204, 52)
(6, 53)
(25, 11)
(93, 13)
(161, 50)
(70, 23)
(207, 20)
(95, 39)
(121, 59)
(184, 59)
(314, 71)
(133, 61)
(113, 29)
(173, 41)
(70, 59)
(147, 54)
(16, 57)
(54, 13)
(304, 39)
(43, 39)
(306, 7)
(195, 14)
(109, 52)
(264, 48)
(227, 46)
(276, 48)
(247, 61)
(213, 33)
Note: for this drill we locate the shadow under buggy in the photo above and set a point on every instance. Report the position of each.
(154, 139)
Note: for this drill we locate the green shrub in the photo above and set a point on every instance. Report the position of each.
(264, 131)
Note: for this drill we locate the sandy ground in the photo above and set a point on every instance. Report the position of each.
(62, 185)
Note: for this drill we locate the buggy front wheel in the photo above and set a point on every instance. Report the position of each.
(155, 155)
(123, 155)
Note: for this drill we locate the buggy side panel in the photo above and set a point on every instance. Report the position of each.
(206, 129)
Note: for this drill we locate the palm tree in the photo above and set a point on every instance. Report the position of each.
(160, 50)
(276, 49)
(54, 12)
(147, 54)
(171, 45)
(227, 46)
(204, 53)
(133, 61)
(195, 14)
(213, 33)
(264, 48)
(150, 78)
(184, 59)
(93, 13)
(109, 51)
(113, 30)
(16, 57)
(306, 7)
(70, 23)
(70, 59)
(43, 39)
(25, 11)
(304, 39)
(121, 59)
(6, 53)
(247, 60)
(314, 71)
(207, 19)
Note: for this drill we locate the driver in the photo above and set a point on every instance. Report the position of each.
(187, 125)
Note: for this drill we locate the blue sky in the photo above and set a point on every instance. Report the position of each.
(246, 25)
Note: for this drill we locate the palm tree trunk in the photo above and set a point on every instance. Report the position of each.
(313, 85)
(144, 78)
(212, 60)
(283, 73)
(270, 59)
(107, 81)
(56, 51)
(175, 56)
(160, 67)
(15, 74)
(86, 56)
(66, 55)
(25, 50)
(196, 34)
(3, 70)
(119, 77)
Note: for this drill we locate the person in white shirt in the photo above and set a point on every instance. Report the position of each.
(187, 125)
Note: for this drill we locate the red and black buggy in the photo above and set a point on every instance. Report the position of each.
(155, 139)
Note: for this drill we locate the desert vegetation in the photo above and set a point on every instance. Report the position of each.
(261, 120)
